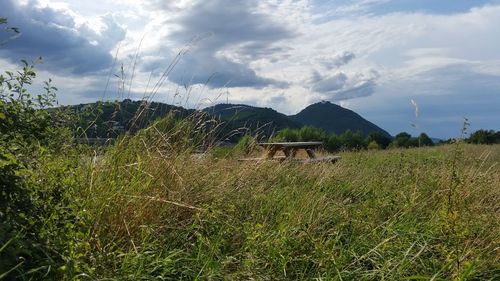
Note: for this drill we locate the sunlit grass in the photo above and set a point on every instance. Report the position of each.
(157, 212)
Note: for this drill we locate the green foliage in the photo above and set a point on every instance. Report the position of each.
(246, 145)
(334, 143)
(405, 140)
(241, 120)
(37, 221)
(424, 140)
(335, 119)
(375, 215)
(484, 137)
(310, 133)
(110, 119)
(352, 141)
(222, 152)
(21, 113)
(380, 139)
(347, 141)
(287, 134)
(306, 133)
(373, 145)
(402, 139)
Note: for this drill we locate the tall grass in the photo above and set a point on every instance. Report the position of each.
(155, 212)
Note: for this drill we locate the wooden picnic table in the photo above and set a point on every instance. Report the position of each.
(290, 148)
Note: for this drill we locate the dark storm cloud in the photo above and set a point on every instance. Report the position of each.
(53, 35)
(228, 26)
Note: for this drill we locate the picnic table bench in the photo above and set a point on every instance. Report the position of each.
(290, 150)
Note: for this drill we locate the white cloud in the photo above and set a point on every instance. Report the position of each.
(267, 51)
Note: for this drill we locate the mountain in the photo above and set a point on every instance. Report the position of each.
(110, 119)
(335, 119)
(250, 119)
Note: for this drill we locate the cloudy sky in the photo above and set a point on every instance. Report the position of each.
(371, 56)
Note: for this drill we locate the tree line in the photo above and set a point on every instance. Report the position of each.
(350, 140)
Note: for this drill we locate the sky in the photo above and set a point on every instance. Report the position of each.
(385, 59)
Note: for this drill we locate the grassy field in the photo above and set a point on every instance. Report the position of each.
(145, 210)
(149, 208)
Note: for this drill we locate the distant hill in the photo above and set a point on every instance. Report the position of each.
(335, 119)
(250, 119)
(110, 119)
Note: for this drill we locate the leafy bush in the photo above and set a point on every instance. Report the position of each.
(246, 145)
(334, 143)
(36, 219)
(381, 140)
(310, 133)
(288, 135)
(373, 145)
(352, 141)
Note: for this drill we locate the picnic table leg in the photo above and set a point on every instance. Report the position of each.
(271, 152)
(311, 153)
(289, 152)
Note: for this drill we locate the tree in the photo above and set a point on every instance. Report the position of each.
(484, 137)
(287, 134)
(333, 143)
(310, 133)
(424, 140)
(402, 140)
(496, 137)
(381, 140)
(351, 140)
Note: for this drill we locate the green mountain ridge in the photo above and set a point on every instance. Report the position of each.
(263, 122)
(109, 119)
(335, 119)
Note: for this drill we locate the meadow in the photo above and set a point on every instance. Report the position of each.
(146, 209)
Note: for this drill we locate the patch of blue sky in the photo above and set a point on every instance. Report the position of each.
(429, 6)
(379, 7)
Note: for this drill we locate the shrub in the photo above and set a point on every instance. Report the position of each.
(333, 143)
(310, 133)
(352, 141)
(287, 134)
(373, 145)
(381, 140)
(34, 214)
(246, 145)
